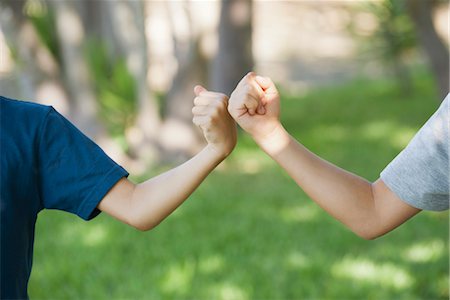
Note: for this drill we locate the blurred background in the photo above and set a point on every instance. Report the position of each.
(357, 78)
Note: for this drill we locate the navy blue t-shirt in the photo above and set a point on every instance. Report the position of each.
(46, 162)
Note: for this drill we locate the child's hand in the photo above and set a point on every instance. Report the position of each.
(211, 115)
(255, 105)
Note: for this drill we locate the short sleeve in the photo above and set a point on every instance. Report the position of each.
(74, 173)
(419, 175)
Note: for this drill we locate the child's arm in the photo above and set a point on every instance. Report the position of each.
(370, 210)
(146, 204)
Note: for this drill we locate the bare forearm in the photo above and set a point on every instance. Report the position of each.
(370, 210)
(344, 195)
(153, 200)
(145, 205)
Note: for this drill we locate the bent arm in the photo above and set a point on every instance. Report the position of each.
(368, 209)
(145, 205)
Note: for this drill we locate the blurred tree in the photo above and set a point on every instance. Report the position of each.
(234, 57)
(125, 26)
(95, 52)
(421, 12)
(404, 25)
(24, 33)
(46, 56)
(192, 69)
(71, 34)
(393, 39)
(76, 46)
(114, 88)
(129, 32)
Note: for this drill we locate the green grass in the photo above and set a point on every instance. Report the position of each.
(250, 233)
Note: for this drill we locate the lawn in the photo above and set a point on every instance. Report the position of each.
(250, 233)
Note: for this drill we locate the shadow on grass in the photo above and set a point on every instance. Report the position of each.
(244, 240)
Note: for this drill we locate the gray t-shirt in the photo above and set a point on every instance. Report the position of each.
(419, 175)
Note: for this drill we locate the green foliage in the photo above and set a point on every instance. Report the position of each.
(43, 20)
(160, 98)
(393, 41)
(115, 86)
(394, 37)
(249, 232)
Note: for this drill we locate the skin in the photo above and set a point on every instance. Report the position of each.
(146, 204)
(369, 209)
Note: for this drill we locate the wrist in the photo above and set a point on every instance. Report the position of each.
(274, 141)
(216, 153)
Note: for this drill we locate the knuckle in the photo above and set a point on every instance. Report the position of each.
(222, 106)
(224, 99)
(214, 114)
(218, 105)
(248, 101)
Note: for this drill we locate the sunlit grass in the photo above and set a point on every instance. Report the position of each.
(426, 252)
(387, 274)
(250, 233)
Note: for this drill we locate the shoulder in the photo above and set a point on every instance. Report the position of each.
(435, 133)
(444, 110)
(440, 118)
(23, 109)
(22, 121)
(419, 174)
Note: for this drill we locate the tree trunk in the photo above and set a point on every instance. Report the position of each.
(234, 58)
(395, 59)
(128, 22)
(179, 137)
(71, 34)
(37, 74)
(18, 30)
(421, 12)
(126, 18)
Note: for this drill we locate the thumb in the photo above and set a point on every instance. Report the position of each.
(260, 110)
(264, 82)
(199, 89)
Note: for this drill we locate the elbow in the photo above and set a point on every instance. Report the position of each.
(138, 219)
(367, 235)
(143, 226)
(142, 223)
(369, 225)
(368, 232)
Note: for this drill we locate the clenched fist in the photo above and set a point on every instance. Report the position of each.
(211, 115)
(255, 105)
